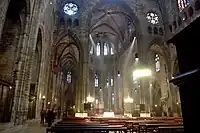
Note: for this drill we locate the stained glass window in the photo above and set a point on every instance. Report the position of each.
(107, 82)
(111, 51)
(157, 60)
(91, 50)
(98, 49)
(129, 28)
(152, 18)
(70, 9)
(182, 4)
(105, 49)
(111, 81)
(69, 77)
(113, 98)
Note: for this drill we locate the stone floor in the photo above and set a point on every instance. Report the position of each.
(31, 127)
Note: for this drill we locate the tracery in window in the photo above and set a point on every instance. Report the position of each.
(70, 9)
(69, 77)
(105, 48)
(157, 63)
(182, 4)
(98, 49)
(96, 84)
(152, 18)
(129, 28)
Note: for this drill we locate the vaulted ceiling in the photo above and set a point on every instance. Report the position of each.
(67, 54)
(113, 23)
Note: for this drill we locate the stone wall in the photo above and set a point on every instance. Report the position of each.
(26, 52)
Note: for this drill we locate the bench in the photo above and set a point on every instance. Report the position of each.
(86, 129)
(171, 129)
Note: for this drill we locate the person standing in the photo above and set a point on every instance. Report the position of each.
(42, 115)
(50, 117)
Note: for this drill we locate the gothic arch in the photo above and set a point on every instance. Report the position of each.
(157, 47)
(68, 46)
(121, 3)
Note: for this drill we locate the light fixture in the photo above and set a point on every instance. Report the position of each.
(49, 103)
(90, 99)
(50, 3)
(135, 89)
(118, 73)
(139, 73)
(136, 57)
(128, 99)
(156, 105)
(43, 97)
(10, 87)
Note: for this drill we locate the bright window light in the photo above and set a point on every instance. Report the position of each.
(141, 73)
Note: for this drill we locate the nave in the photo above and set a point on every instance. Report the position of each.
(99, 61)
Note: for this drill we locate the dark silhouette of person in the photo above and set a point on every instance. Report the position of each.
(170, 112)
(165, 113)
(50, 116)
(42, 115)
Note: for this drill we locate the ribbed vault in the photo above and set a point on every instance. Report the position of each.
(67, 54)
(114, 23)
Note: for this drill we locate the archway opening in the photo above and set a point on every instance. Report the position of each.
(112, 31)
(68, 58)
(159, 59)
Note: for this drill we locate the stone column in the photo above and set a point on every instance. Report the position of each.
(54, 79)
(121, 93)
(21, 96)
(78, 98)
(57, 86)
(116, 92)
(28, 51)
(85, 72)
(3, 8)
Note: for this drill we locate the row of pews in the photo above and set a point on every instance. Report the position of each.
(118, 125)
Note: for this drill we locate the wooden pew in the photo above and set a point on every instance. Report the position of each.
(82, 129)
(170, 129)
(153, 127)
